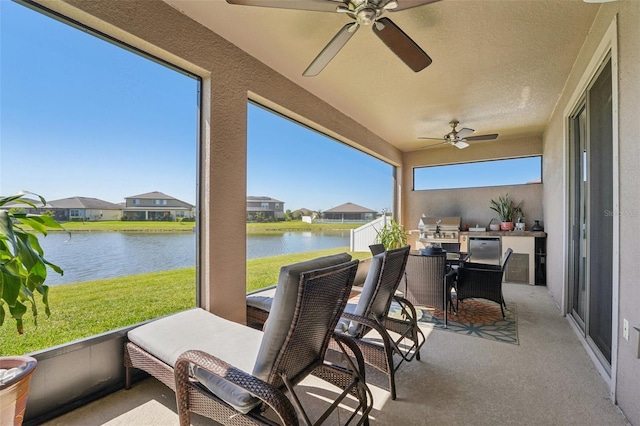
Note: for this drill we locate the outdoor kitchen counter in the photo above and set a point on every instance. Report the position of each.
(535, 234)
(527, 263)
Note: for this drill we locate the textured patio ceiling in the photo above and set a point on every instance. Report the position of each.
(499, 66)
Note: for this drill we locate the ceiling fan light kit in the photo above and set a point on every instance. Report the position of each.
(459, 138)
(363, 12)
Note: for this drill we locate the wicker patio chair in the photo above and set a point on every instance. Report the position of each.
(376, 248)
(266, 365)
(259, 302)
(398, 336)
(483, 281)
(385, 341)
(427, 282)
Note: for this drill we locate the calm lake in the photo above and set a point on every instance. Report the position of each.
(90, 256)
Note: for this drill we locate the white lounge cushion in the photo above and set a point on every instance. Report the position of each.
(197, 329)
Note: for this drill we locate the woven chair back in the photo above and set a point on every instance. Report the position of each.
(424, 283)
(377, 249)
(505, 259)
(322, 296)
(392, 271)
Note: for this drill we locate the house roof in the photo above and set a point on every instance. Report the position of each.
(304, 211)
(262, 198)
(350, 208)
(156, 195)
(82, 203)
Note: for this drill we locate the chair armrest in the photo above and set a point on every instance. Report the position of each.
(407, 308)
(264, 391)
(346, 342)
(367, 322)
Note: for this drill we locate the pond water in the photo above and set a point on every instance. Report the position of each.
(96, 255)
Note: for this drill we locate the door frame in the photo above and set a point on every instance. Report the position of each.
(608, 45)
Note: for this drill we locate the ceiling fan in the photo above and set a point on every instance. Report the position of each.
(459, 138)
(363, 12)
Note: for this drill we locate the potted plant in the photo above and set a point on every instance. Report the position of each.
(23, 270)
(392, 235)
(15, 375)
(506, 211)
(494, 225)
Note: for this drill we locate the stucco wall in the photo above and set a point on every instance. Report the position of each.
(628, 31)
(472, 204)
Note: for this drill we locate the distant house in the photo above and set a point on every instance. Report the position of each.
(349, 212)
(82, 209)
(156, 206)
(264, 207)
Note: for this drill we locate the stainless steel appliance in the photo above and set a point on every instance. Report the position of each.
(485, 250)
(439, 230)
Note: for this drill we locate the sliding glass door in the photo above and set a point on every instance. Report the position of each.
(591, 214)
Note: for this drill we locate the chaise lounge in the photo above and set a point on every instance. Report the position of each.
(235, 374)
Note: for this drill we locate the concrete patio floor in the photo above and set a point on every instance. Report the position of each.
(547, 379)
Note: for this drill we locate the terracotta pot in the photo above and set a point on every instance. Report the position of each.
(13, 393)
(506, 226)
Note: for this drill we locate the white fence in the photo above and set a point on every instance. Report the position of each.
(365, 235)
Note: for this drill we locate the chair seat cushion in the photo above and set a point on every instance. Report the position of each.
(343, 323)
(262, 299)
(197, 329)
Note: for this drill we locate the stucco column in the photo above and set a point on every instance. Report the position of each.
(223, 192)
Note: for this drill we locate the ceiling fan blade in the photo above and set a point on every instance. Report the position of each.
(482, 137)
(331, 50)
(460, 144)
(408, 4)
(401, 44)
(433, 139)
(314, 5)
(462, 133)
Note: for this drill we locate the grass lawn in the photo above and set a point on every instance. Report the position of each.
(143, 226)
(88, 308)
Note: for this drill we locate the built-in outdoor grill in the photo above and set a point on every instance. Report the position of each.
(439, 229)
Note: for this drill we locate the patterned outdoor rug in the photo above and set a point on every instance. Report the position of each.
(476, 317)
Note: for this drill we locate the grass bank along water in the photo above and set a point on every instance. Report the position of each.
(88, 308)
(152, 226)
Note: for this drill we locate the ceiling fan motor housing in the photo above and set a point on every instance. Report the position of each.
(366, 16)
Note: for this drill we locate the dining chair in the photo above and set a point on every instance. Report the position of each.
(376, 249)
(481, 280)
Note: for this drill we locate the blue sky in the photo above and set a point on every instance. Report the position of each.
(82, 117)
(304, 168)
